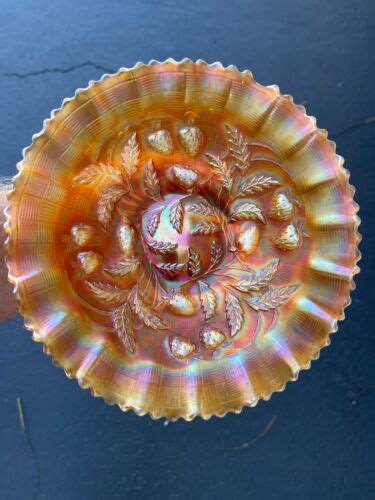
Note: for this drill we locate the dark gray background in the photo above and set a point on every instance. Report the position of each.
(321, 442)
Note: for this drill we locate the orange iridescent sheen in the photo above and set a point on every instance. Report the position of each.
(171, 285)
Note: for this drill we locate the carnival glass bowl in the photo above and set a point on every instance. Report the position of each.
(182, 239)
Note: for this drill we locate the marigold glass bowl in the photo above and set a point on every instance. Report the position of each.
(182, 239)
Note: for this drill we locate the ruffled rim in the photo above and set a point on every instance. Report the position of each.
(28, 321)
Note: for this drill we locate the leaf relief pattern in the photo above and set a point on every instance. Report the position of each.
(222, 282)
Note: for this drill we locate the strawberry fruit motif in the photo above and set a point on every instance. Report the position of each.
(288, 238)
(281, 207)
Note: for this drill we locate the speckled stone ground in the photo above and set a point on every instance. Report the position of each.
(314, 440)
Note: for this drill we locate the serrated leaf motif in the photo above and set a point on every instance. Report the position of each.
(123, 325)
(176, 216)
(194, 263)
(130, 155)
(123, 267)
(106, 291)
(234, 313)
(146, 314)
(162, 247)
(152, 182)
(216, 253)
(238, 147)
(205, 227)
(257, 184)
(94, 174)
(221, 170)
(201, 208)
(170, 268)
(153, 223)
(247, 211)
(127, 238)
(272, 298)
(208, 299)
(258, 279)
(107, 202)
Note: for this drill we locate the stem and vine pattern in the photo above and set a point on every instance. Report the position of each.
(224, 195)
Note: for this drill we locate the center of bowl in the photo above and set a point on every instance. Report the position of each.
(179, 228)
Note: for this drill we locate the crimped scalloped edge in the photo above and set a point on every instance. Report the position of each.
(28, 322)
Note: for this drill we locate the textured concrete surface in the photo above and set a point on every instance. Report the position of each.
(316, 439)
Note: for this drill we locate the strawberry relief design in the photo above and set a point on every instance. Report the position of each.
(186, 240)
(181, 239)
